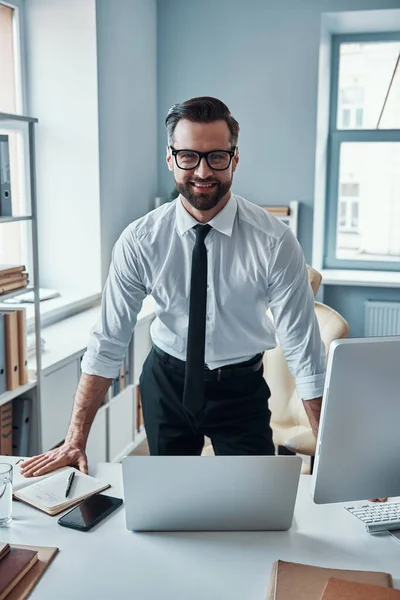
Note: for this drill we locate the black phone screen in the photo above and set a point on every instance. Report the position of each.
(89, 512)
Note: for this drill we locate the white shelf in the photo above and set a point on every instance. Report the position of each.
(15, 293)
(15, 219)
(10, 395)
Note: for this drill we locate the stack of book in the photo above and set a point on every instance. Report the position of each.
(278, 211)
(293, 581)
(21, 568)
(12, 277)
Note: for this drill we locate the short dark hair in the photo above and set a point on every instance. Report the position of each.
(201, 110)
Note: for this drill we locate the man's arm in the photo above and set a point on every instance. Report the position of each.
(313, 410)
(293, 308)
(89, 397)
(122, 299)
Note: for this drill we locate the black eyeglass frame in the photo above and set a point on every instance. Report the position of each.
(201, 155)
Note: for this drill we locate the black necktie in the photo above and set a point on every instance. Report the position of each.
(193, 394)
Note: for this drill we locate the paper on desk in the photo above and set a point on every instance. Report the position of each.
(19, 481)
(50, 492)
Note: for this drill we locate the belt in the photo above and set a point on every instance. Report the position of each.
(236, 370)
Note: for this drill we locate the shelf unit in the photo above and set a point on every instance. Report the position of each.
(26, 125)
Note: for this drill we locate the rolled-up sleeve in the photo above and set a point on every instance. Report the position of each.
(292, 305)
(122, 299)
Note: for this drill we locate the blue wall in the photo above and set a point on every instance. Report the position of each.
(261, 58)
(127, 79)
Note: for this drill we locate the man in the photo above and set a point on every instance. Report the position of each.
(213, 262)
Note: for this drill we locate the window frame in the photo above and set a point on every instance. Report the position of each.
(335, 138)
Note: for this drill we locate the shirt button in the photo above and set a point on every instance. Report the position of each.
(208, 318)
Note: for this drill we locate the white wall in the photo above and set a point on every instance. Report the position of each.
(62, 94)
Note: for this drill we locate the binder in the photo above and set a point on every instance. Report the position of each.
(21, 423)
(12, 361)
(6, 429)
(3, 386)
(5, 181)
(22, 346)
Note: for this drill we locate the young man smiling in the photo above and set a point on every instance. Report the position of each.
(213, 262)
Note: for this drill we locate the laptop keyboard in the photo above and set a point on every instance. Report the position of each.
(383, 516)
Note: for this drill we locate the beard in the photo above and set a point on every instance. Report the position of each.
(207, 199)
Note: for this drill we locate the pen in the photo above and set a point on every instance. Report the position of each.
(70, 480)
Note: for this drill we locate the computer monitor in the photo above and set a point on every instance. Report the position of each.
(358, 445)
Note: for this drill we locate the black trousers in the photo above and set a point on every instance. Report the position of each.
(236, 416)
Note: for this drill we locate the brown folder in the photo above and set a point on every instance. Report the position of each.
(12, 360)
(337, 589)
(27, 583)
(6, 448)
(22, 348)
(305, 582)
(13, 567)
(10, 269)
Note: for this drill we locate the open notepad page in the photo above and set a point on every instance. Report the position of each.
(19, 481)
(49, 494)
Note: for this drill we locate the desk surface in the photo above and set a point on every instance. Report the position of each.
(111, 562)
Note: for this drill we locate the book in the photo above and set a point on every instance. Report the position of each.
(19, 480)
(309, 581)
(9, 269)
(13, 278)
(4, 549)
(48, 495)
(282, 211)
(338, 589)
(9, 287)
(6, 416)
(23, 588)
(13, 567)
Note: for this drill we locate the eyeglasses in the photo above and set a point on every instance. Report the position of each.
(217, 160)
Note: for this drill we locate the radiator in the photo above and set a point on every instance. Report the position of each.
(382, 318)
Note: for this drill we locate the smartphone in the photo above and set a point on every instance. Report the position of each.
(89, 512)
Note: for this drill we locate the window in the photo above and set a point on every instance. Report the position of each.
(14, 235)
(363, 216)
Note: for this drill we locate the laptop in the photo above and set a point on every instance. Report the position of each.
(210, 493)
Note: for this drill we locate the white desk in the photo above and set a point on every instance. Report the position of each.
(110, 562)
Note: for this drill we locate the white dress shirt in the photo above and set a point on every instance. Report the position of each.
(254, 262)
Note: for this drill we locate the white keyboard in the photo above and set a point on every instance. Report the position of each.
(381, 516)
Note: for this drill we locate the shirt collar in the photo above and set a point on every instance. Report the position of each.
(222, 222)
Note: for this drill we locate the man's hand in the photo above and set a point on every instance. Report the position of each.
(69, 454)
(313, 410)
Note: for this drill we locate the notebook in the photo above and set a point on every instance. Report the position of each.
(19, 481)
(337, 589)
(4, 549)
(28, 582)
(48, 495)
(306, 582)
(13, 567)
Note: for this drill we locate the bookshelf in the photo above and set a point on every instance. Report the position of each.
(26, 126)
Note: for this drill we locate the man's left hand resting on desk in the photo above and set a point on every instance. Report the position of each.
(89, 396)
